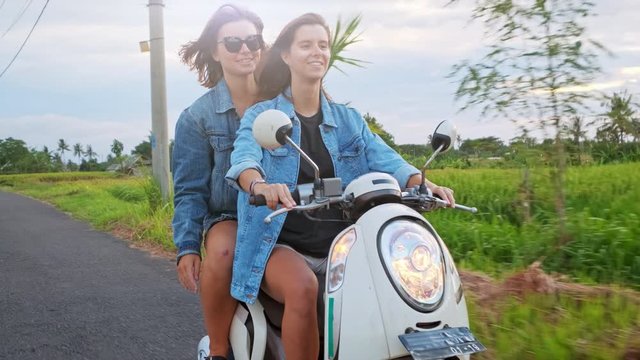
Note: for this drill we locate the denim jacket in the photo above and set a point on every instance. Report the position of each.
(204, 139)
(354, 149)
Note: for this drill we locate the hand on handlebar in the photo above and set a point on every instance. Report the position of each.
(444, 193)
(275, 194)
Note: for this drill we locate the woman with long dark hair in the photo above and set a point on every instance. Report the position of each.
(225, 57)
(283, 257)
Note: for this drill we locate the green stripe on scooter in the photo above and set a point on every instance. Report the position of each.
(330, 331)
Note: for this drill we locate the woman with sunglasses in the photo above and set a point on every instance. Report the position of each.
(284, 252)
(225, 57)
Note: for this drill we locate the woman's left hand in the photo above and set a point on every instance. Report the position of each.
(444, 193)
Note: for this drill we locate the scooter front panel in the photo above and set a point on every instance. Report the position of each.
(397, 315)
(356, 312)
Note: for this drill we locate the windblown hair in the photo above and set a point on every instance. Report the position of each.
(274, 75)
(198, 54)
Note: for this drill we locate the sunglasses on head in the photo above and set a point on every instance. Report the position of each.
(233, 44)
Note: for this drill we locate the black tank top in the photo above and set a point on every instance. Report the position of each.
(306, 236)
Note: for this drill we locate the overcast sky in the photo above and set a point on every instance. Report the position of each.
(81, 76)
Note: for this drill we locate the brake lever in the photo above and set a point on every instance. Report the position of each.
(316, 204)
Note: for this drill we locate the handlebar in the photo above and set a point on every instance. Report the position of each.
(257, 200)
(444, 203)
(410, 198)
(316, 204)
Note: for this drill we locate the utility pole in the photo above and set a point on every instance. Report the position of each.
(159, 132)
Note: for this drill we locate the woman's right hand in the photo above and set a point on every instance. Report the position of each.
(189, 272)
(275, 194)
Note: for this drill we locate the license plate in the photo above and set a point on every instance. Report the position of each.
(441, 344)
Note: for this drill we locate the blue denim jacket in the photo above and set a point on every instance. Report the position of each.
(204, 139)
(354, 149)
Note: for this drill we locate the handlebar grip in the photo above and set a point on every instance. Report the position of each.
(257, 200)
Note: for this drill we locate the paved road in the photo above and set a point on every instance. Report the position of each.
(70, 292)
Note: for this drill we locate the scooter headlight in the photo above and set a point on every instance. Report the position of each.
(338, 259)
(413, 260)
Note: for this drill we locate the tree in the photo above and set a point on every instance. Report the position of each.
(89, 152)
(116, 148)
(343, 37)
(13, 154)
(484, 147)
(143, 149)
(57, 163)
(537, 65)
(78, 151)
(46, 152)
(62, 147)
(619, 120)
(377, 129)
(576, 132)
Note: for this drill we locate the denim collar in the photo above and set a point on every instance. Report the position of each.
(284, 104)
(222, 102)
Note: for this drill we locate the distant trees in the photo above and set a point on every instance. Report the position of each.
(143, 149)
(486, 147)
(620, 121)
(13, 155)
(116, 148)
(377, 129)
(90, 153)
(62, 147)
(78, 151)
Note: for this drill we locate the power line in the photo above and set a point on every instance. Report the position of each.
(15, 21)
(2, 4)
(25, 40)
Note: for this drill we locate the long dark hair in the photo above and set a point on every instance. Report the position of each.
(198, 54)
(274, 75)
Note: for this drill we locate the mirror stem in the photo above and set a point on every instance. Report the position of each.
(423, 186)
(316, 171)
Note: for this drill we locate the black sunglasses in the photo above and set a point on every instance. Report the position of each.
(233, 44)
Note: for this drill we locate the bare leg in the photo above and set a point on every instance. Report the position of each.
(218, 306)
(289, 280)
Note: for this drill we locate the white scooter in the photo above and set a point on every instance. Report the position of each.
(391, 291)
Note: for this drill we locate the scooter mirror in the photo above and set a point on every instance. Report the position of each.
(444, 136)
(271, 127)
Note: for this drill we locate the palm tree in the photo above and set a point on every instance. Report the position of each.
(89, 152)
(78, 151)
(343, 38)
(576, 129)
(46, 152)
(116, 148)
(62, 147)
(619, 120)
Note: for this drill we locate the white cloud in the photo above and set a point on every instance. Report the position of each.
(631, 70)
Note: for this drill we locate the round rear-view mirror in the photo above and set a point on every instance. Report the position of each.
(444, 136)
(271, 127)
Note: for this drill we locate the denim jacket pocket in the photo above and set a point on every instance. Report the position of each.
(351, 155)
(278, 152)
(353, 148)
(221, 142)
(279, 164)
